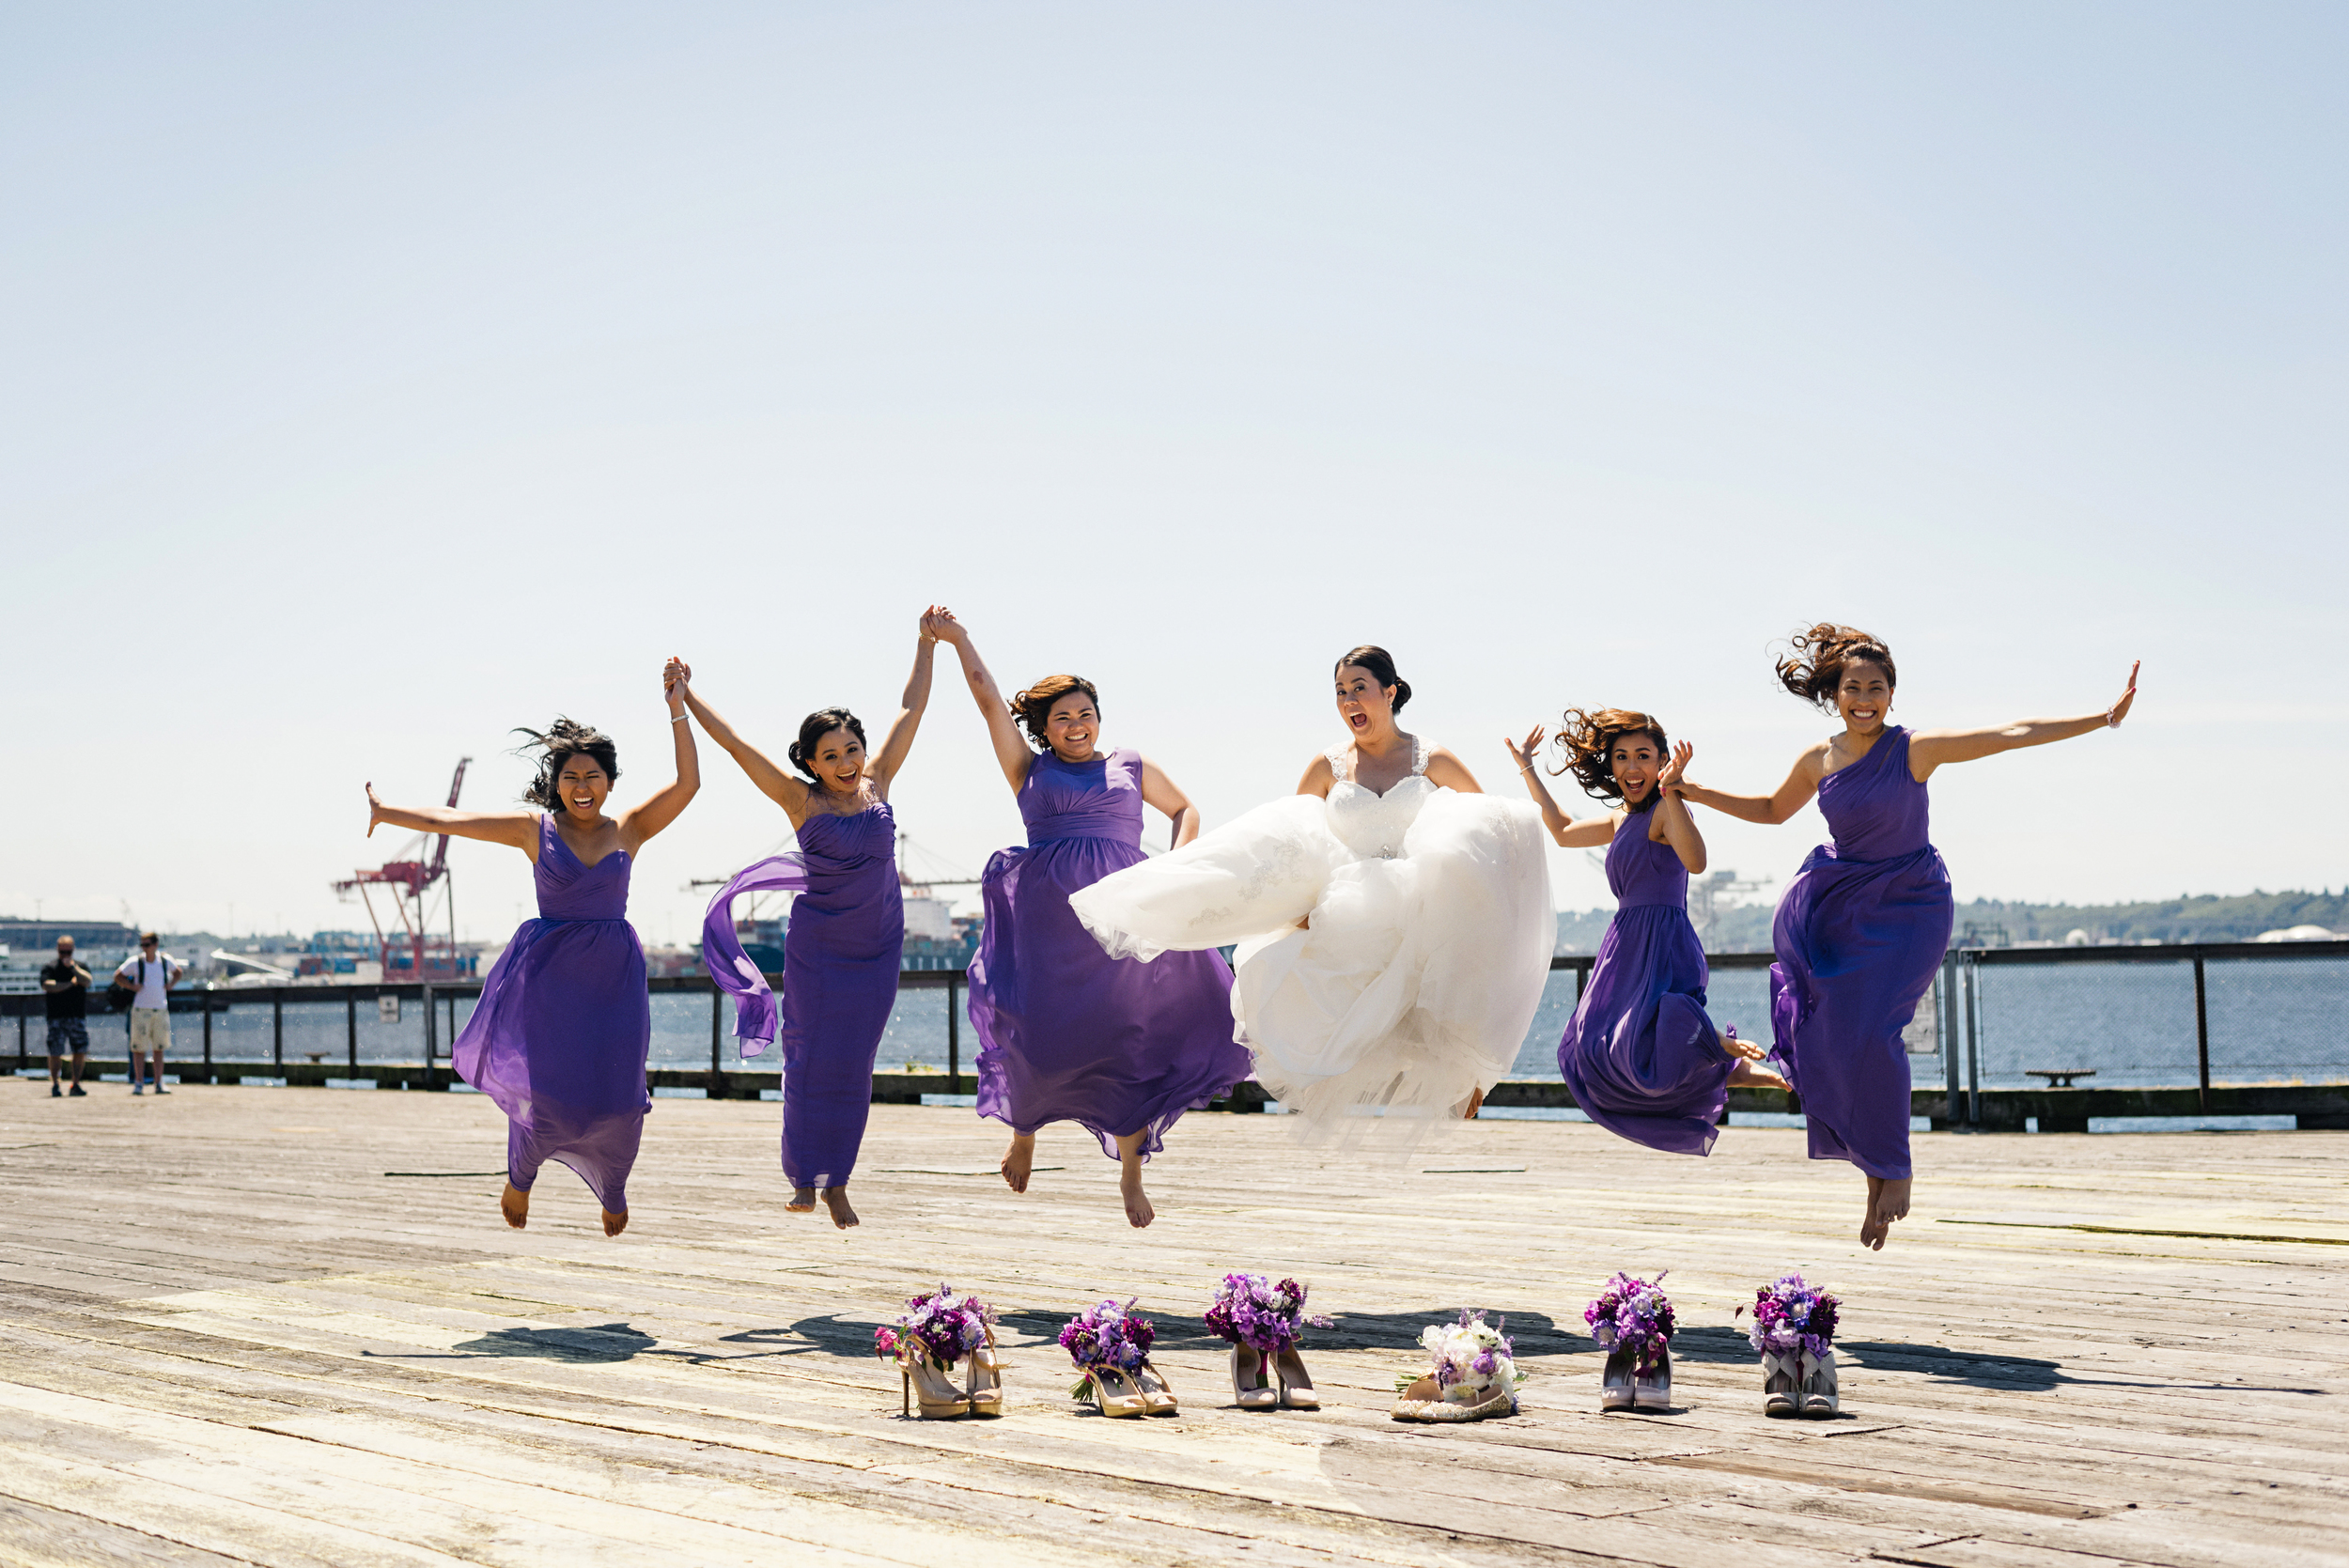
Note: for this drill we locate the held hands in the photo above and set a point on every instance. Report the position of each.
(940, 625)
(1524, 756)
(676, 676)
(2119, 710)
(1668, 782)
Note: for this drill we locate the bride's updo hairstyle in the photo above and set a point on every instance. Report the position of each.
(815, 727)
(1380, 663)
(1815, 669)
(1034, 706)
(1588, 739)
(561, 741)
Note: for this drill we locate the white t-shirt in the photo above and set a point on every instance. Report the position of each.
(161, 971)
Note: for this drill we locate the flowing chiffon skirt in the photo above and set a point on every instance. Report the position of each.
(1640, 1054)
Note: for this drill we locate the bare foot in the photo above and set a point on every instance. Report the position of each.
(1757, 1075)
(515, 1204)
(615, 1223)
(1872, 1229)
(1890, 1203)
(1476, 1103)
(1019, 1160)
(836, 1200)
(802, 1200)
(1138, 1210)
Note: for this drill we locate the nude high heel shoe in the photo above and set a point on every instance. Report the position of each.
(1652, 1390)
(1615, 1391)
(1158, 1394)
(1819, 1395)
(922, 1383)
(1781, 1385)
(1250, 1390)
(1116, 1394)
(1296, 1385)
(985, 1394)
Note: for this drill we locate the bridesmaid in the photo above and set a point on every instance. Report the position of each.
(846, 937)
(1066, 1031)
(559, 1036)
(1862, 926)
(1640, 1054)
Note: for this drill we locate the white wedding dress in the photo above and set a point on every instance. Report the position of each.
(1427, 944)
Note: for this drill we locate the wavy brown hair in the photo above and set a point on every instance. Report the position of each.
(1814, 667)
(1587, 740)
(1034, 706)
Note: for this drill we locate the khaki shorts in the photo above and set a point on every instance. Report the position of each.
(150, 1028)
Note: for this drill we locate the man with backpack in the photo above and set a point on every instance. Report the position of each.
(148, 975)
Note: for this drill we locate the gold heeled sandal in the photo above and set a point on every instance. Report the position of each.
(1158, 1394)
(985, 1394)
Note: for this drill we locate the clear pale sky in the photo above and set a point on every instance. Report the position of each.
(376, 379)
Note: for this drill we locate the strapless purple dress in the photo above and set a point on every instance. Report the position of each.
(1640, 1055)
(840, 961)
(1066, 1032)
(1860, 933)
(559, 1037)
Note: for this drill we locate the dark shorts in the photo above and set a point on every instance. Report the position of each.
(68, 1037)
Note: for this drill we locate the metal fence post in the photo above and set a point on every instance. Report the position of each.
(717, 1022)
(1948, 1025)
(954, 1038)
(1973, 1043)
(24, 1024)
(432, 1036)
(2201, 1033)
(207, 1035)
(277, 1028)
(351, 1029)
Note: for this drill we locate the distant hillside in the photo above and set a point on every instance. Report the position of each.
(1995, 923)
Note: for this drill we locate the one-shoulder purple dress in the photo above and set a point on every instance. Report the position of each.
(1066, 1032)
(1860, 932)
(1640, 1056)
(840, 961)
(559, 1037)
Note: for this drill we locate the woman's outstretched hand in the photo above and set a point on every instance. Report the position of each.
(1668, 782)
(940, 625)
(375, 809)
(1524, 756)
(2119, 710)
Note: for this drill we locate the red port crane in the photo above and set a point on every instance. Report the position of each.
(409, 881)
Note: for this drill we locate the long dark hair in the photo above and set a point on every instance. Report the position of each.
(557, 744)
(1380, 663)
(1587, 740)
(1033, 706)
(815, 727)
(1814, 668)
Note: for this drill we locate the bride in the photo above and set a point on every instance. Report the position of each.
(1394, 922)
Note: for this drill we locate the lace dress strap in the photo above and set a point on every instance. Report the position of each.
(1418, 757)
(1338, 761)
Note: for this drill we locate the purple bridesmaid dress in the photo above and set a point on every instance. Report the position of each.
(1067, 1033)
(1640, 1055)
(559, 1037)
(840, 961)
(1859, 933)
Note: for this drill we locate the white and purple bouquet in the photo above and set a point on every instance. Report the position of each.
(1790, 1315)
(1250, 1309)
(941, 1328)
(1469, 1360)
(1106, 1335)
(1633, 1314)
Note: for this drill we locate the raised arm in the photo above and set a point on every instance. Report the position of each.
(1566, 830)
(1801, 784)
(788, 790)
(1671, 813)
(1011, 750)
(649, 815)
(516, 828)
(1450, 772)
(1931, 749)
(1161, 792)
(910, 706)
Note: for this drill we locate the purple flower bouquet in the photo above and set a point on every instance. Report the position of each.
(941, 1328)
(1106, 1335)
(1791, 1317)
(1632, 1315)
(1251, 1310)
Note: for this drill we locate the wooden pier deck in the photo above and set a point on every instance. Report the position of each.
(229, 1337)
